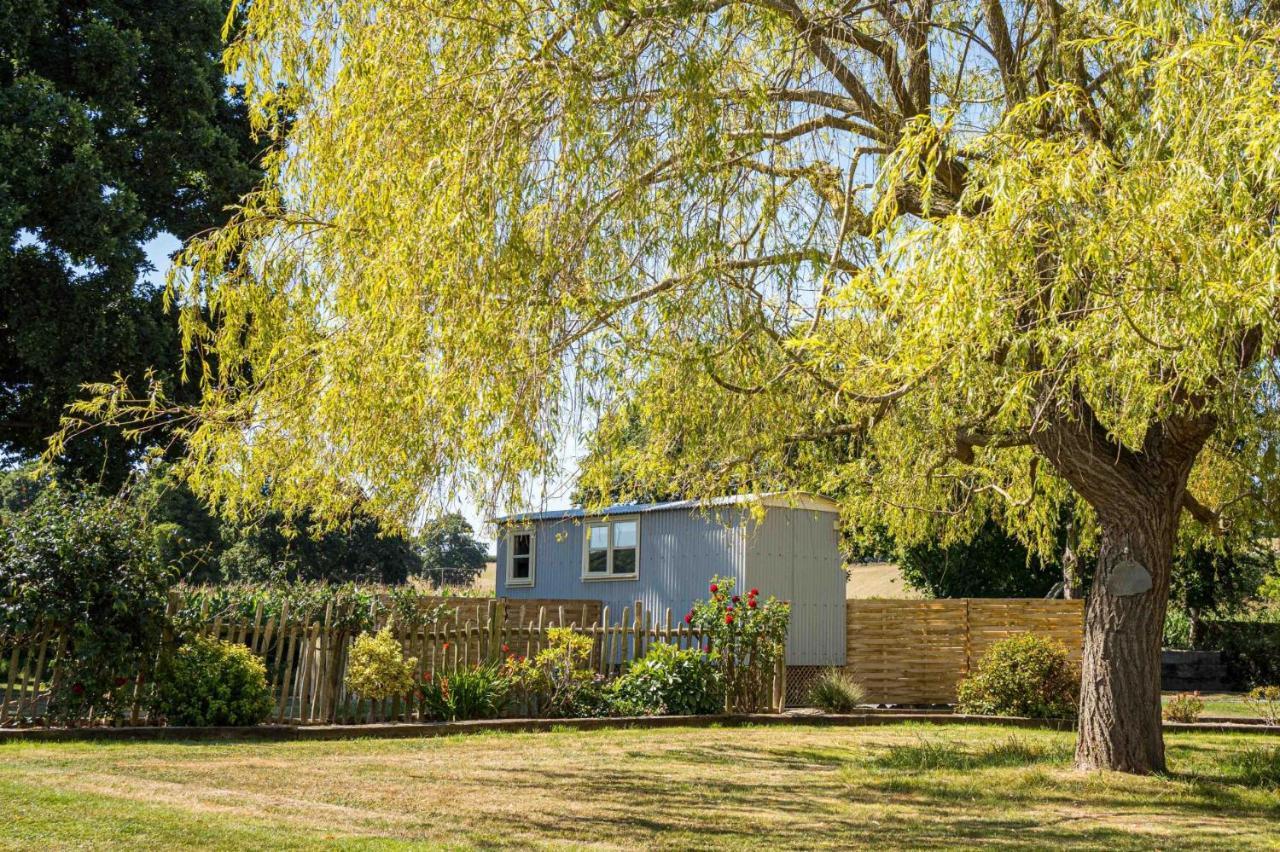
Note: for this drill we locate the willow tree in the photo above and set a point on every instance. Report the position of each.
(931, 255)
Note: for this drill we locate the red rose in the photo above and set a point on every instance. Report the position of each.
(728, 619)
(446, 646)
(714, 588)
(688, 619)
(754, 592)
(737, 598)
(505, 649)
(751, 604)
(77, 688)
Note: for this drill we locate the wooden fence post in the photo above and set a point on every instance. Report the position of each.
(637, 639)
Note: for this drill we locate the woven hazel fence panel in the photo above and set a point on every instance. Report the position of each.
(916, 652)
(306, 660)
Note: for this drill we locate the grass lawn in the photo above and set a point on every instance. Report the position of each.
(1223, 704)
(797, 787)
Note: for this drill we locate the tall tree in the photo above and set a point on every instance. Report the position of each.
(1021, 252)
(115, 126)
(450, 553)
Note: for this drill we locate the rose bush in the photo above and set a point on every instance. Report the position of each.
(749, 637)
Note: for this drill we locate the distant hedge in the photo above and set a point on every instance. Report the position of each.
(1250, 650)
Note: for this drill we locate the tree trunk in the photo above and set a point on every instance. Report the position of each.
(1120, 719)
(1137, 496)
(1071, 565)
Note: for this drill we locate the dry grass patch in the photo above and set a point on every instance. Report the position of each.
(895, 787)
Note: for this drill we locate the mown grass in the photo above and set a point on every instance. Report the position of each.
(1224, 704)
(907, 786)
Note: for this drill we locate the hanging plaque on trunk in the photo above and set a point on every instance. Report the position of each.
(1128, 578)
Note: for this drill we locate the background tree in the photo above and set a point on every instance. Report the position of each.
(991, 564)
(115, 127)
(1018, 252)
(450, 553)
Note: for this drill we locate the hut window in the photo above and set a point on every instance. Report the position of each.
(520, 558)
(612, 549)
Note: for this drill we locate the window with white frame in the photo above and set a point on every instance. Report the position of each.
(520, 557)
(611, 549)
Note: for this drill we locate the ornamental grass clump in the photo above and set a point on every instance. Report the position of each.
(749, 634)
(476, 693)
(1025, 675)
(377, 668)
(836, 692)
(210, 682)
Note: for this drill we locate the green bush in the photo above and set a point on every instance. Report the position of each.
(88, 568)
(1265, 701)
(1184, 707)
(1024, 675)
(377, 669)
(1250, 650)
(836, 692)
(208, 682)
(559, 682)
(478, 693)
(668, 680)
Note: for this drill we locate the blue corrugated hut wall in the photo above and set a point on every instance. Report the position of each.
(679, 552)
(794, 554)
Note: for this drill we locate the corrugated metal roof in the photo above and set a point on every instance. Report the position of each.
(780, 499)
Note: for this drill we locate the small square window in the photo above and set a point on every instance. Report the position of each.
(611, 549)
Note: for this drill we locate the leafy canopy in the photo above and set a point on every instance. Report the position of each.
(115, 128)
(903, 252)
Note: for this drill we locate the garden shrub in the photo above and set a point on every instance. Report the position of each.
(1265, 701)
(87, 567)
(1250, 650)
(836, 692)
(477, 693)
(209, 682)
(377, 669)
(1025, 675)
(1184, 707)
(668, 680)
(749, 636)
(558, 681)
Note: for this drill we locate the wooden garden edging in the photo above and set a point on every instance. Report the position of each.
(306, 659)
(393, 730)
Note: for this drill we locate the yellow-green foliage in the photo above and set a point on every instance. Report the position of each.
(377, 668)
(811, 253)
(558, 678)
(1265, 701)
(211, 682)
(1184, 707)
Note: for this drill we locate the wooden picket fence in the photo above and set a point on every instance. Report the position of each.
(916, 652)
(306, 659)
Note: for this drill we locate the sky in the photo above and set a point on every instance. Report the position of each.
(552, 495)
